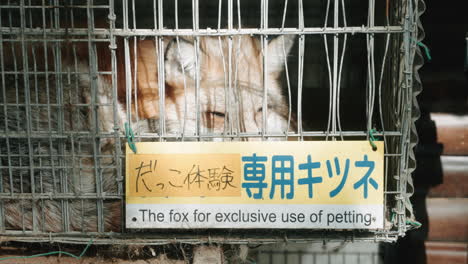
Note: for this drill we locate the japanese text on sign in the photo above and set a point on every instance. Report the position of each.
(185, 175)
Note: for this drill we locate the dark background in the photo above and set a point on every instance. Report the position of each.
(444, 80)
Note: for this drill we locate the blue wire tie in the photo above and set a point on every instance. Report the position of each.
(130, 137)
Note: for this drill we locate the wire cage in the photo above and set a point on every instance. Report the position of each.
(77, 76)
(337, 252)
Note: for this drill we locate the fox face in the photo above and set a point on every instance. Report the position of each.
(230, 98)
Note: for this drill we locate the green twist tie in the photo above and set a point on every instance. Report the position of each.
(372, 139)
(414, 223)
(52, 253)
(408, 222)
(426, 49)
(130, 137)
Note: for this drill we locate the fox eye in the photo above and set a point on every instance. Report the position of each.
(260, 109)
(215, 113)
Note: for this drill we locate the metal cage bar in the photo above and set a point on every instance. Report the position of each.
(69, 87)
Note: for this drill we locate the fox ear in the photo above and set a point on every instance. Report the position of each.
(180, 59)
(278, 50)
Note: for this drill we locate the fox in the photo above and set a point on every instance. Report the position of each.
(226, 108)
(212, 86)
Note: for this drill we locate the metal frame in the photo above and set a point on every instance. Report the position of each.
(317, 256)
(394, 82)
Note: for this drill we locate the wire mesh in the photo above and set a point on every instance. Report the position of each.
(317, 257)
(73, 73)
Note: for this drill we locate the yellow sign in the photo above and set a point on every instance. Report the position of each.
(341, 179)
